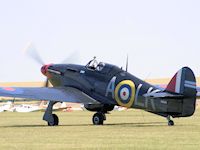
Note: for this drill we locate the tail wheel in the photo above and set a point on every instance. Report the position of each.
(170, 123)
(98, 118)
(56, 120)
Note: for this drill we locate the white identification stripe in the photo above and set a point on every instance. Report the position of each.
(178, 81)
(190, 83)
(53, 71)
(190, 86)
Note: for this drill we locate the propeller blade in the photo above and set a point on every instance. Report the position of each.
(32, 52)
(72, 58)
(46, 84)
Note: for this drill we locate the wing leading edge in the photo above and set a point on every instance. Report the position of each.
(62, 94)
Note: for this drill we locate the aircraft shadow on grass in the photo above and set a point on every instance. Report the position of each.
(149, 124)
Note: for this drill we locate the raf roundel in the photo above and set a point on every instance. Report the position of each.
(125, 93)
(10, 90)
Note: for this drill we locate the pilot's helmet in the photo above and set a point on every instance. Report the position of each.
(101, 64)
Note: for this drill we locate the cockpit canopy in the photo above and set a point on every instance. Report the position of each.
(94, 65)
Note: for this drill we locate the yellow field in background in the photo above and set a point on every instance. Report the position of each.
(40, 84)
(22, 84)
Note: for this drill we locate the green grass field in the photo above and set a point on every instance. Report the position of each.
(132, 129)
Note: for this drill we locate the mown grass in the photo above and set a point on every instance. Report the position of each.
(132, 129)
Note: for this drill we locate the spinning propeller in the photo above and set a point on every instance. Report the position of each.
(32, 52)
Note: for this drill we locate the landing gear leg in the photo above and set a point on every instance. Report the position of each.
(52, 119)
(98, 118)
(170, 122)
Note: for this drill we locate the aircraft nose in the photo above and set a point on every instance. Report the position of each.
(44, 69)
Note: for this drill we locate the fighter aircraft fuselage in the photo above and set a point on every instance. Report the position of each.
(111, 86)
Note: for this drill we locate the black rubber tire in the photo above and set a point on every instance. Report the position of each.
(170, 123)
(56, 120)
(98, 118)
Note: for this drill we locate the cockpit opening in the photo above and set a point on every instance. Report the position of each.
(94, 65)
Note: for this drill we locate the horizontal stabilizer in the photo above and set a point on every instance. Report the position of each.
(162, 95)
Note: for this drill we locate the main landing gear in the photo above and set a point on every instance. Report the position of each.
(52, 119)
(55, 121)
(101, 109)
(98, 118)
(170, 122)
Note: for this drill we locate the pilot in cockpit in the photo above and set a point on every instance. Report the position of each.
(92, 64)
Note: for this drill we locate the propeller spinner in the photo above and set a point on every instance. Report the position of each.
(44, 69)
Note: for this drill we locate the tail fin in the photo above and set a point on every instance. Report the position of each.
(184, 83)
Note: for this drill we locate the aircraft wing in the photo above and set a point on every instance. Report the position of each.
(62, 94)
(198, 92)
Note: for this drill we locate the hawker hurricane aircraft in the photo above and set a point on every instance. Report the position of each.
(101, 86)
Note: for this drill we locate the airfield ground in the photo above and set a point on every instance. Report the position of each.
(131, 129)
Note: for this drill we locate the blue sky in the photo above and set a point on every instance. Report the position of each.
(159, 36)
